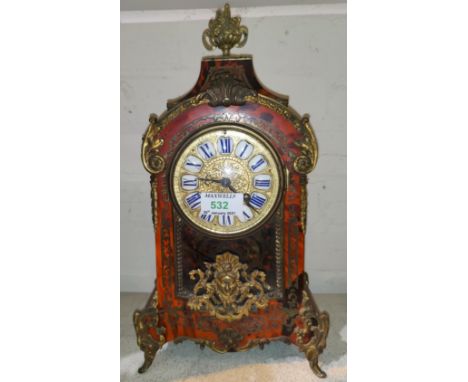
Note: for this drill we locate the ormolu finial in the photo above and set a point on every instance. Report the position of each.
(225, 32)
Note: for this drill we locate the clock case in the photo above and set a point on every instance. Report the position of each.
(190, 301)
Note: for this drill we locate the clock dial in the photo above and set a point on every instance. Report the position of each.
(226, 180)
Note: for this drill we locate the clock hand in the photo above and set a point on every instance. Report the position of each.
(211, 180)
(225, 182)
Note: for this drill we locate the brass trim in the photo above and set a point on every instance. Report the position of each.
(154, 200)
(231, 57)
(226, 290)
(179, 268)
(304, 196)
(279, 251)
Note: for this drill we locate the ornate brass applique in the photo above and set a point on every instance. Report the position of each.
(226, 290)
(306, 162)
(304, 203)
(225, 32)
(226, 87)
(150, 336)
(311, 336)
(153, 162)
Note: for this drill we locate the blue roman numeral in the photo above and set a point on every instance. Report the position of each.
(262, 183)
(194, 200)
(193, 164)
(257, 164)
(206, 216)
(206, 150)
(189, 182)
(225, 145)
(243, 150)
(257, 200)
(226, 219)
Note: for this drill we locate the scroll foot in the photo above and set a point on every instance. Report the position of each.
(150, 336)
(311, 330)
(149, 358)
(317, 370)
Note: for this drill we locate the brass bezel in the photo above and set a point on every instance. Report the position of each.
(247, 130)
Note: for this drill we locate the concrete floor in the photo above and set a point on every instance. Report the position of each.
(278, 362)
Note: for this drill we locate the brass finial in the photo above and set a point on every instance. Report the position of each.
(225, 32)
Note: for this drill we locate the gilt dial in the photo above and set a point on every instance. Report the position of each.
(226, 180)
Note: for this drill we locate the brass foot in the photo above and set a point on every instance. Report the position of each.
(311, 331)
(317, 370)
(150, 336)
(149, 358)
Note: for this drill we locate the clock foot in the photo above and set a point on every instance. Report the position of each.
(150, 336)
(312, 330)
(149, 358)
(317, 370)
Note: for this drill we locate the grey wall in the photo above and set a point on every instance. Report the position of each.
(303, 56)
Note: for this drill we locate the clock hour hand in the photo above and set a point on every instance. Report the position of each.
(211, 180)
(225, 182)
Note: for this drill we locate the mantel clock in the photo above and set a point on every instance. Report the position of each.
(229, 163)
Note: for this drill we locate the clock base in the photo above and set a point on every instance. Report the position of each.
(304, 325)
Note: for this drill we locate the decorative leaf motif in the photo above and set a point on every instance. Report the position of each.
(226, 88)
